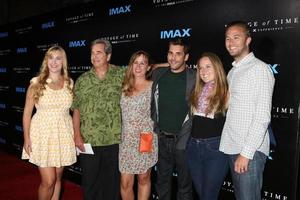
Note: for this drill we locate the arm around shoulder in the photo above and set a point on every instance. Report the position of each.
(158, 65)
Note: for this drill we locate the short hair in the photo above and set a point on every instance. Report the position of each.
(180, 42)
(106, 43)
(241, 24)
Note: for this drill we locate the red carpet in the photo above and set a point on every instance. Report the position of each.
(20, 180)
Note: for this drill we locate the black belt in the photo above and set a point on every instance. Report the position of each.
(168, 135)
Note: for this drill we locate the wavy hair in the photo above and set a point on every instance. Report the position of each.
(128, 83)
(43, 75)
(218, 98)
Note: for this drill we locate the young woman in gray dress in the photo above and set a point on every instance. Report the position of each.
(135, 106)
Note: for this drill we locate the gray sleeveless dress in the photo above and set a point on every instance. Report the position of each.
(135, 119)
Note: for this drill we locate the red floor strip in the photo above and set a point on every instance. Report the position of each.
(20, 180)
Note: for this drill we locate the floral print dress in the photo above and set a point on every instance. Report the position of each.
(136, 118)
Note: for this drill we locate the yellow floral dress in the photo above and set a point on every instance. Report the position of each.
(51, 130)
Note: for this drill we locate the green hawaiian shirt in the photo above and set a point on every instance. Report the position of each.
(99, 104)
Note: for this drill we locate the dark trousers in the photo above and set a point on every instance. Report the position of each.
(100, 173)
(170, 158)
(208, 166)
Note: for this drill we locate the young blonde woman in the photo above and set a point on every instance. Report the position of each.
(208, 166)
(135, 106)
(48, 135)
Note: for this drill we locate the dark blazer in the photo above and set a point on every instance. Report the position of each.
(185, 131)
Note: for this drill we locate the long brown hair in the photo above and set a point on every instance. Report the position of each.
(128, 83)
(218, 97)
(43, 75)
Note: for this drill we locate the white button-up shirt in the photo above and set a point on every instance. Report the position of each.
(251, 84)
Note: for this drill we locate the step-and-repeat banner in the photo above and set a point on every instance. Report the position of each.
(135, 25)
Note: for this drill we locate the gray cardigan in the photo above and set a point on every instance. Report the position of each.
(185, 131)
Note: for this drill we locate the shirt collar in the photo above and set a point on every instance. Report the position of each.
(110, 67)
(248, 57)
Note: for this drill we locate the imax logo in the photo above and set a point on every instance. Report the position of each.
(273, 68)
(3, 70)
(20, 89)
(3, 34)
(185, 32)
(120, 10)
(2, 105)
(22, 50)
(48, 25)
(77, 43)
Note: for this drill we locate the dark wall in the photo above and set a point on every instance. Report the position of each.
(14, 10)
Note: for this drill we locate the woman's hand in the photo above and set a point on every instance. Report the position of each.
(27, 146)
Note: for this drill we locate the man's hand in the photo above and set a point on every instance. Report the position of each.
(241, 164)
(79, 142)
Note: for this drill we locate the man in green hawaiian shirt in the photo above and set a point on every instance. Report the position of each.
(97, 120)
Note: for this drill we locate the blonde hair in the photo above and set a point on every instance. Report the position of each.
(43, 75)
(128, 83)
(218, 97)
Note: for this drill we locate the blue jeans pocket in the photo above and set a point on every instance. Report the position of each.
(213, 145)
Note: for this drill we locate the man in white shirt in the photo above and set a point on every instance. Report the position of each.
(245, 136)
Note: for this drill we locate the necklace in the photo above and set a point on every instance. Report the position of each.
(49, 80)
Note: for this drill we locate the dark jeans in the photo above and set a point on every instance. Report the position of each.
(169, 158)
(208, 166)
(247, 186)
(100, 173)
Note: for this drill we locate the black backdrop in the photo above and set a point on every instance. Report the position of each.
(134, 25)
